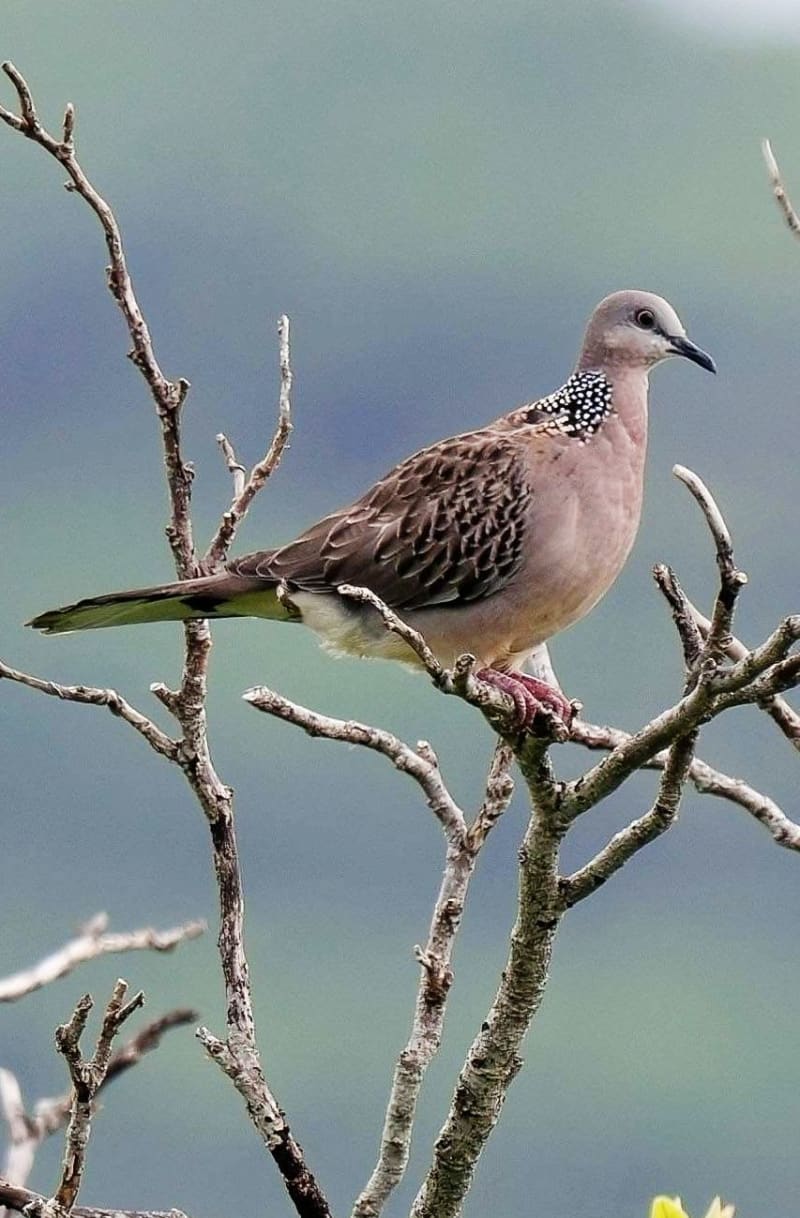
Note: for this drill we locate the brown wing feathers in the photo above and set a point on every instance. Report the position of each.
(443, 528)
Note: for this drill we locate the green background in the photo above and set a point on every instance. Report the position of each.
(437, 193)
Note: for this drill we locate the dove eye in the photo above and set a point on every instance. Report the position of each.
(645, 319)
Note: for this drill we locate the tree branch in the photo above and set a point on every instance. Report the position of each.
(706, 780)
(93, 940)
(779, 190)
(247, 487)
(23, 1201)
(239, 1055)
(88, 1075)
(91, 696)
(436, 978)
(168, 395)
(625, 844)
(493, 1059)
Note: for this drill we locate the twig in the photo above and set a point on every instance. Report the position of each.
(625, 844)
(778, 709)
(91, 696)
(246, 487)
(167, 395)
(26, 1132)
(396, 625)
(417, 763)
(34, 1205)
(685, 623)
(706, 780)
(235, 467)
(87, 1077)
(779, 190)
(493, 1059)
(188, 703)
(93, 940)
(499, 790)
(436, 978)
(731, 580)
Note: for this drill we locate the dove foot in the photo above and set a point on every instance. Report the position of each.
(531, 697)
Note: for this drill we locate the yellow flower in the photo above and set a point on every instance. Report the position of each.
(667, 1207)
(671, 1207)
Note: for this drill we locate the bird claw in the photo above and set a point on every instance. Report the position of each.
(536, 704)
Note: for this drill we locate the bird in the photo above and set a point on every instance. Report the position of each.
(490, 542)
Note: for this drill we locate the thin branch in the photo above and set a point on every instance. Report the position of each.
(436, 978)
(779, 190)
(630, 840)
(682, 615)
(92, 696)
(706, 779)
(188, 703)
(417, 763)
(92, 941)
(246, 488)
(778, 709)
(731, 579)
(235, 467)
(87, 1077)
(493, 1059)
(26, 1132)
(23, 1201)
(396, 625)
(168, 395)
(499, 790)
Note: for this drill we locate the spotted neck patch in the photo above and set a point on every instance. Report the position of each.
(579, 408)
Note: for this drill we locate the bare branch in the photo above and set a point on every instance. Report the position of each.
(685, 623)
(396, 625)
(36, 1206)
(436, 978)
(26, 1133)
(415, 763)
(625, 844)
(779, 190)
(168, 396)
(192, 753)
(87, 1077)
(493, 1059)
(499, 790)
(246, 489)
(91, 696)
(782, 714)
(235, 467)
(94, 940)
(731, 579)
(706, 780)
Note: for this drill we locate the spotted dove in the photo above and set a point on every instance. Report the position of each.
(490, 542)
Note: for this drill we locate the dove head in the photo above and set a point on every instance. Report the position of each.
(637, 330)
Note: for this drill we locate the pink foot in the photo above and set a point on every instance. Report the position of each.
(531, 696)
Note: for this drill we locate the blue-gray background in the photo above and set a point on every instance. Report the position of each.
(437, 193)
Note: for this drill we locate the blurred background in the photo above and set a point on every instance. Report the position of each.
(437, 193)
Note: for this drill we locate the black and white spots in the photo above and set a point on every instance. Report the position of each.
(580, 407)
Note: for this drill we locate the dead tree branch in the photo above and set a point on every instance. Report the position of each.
(27, 1131)
(23, 1201)
(87, 1075)
(779, 190)
(93, 940)
(238, 1054)
(246, 486)
(706, 780)
(91, 696)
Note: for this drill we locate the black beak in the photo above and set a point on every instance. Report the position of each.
(683, 346)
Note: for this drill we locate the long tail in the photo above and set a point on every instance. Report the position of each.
(222, 595)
